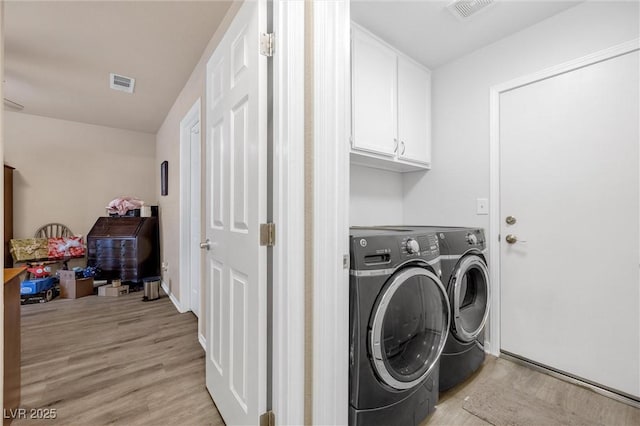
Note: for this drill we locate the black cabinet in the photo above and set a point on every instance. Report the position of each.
(125, 247)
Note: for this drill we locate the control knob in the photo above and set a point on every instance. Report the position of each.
(472, 239)
(412, 246)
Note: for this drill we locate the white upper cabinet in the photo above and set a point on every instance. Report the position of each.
(391, 106)
(414, 111)
(373, 68)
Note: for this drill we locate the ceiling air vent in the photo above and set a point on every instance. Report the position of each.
(463, 9)
(122, 83)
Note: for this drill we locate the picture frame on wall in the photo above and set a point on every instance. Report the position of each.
(164, 178)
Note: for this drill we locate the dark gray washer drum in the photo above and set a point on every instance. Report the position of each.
(469, 295)
(409, 328)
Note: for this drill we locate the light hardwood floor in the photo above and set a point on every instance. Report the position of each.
(544, 400)
(100, 360)
(103, 360)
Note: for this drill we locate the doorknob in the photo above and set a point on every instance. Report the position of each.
(511, 239)
(206, 245)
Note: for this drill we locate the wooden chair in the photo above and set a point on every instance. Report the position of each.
(53, 230)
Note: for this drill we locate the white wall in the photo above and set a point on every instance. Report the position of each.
(168, 148)
(68, 172)
(376, 197)
(447, 194)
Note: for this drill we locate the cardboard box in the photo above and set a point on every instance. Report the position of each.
(108, 290)
(74, 288)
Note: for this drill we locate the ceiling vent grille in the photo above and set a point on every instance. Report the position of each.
(464, 9)
(121, 83)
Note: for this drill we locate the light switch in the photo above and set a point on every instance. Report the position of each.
(482, 206)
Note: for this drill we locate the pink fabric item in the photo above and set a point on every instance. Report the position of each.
(123, 204)
(60, 248)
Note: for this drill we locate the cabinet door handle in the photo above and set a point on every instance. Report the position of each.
(395, 145)
(403, 148)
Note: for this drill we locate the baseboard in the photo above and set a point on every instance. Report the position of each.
(172, 298)
(203, 341)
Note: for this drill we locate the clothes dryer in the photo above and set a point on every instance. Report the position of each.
(465, 272)
(399, 320)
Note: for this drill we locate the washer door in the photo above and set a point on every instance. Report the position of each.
(410, 327)
(469, 296)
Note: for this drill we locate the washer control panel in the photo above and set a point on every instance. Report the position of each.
(420, 245)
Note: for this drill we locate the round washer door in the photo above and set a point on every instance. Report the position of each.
(410, 327)
(469, 297)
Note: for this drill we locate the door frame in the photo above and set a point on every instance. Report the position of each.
(493, 343)
(327, 215)
(288, 192)
(187, 216)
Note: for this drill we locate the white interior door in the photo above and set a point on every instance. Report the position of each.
(194, 222)
(569, 175)
(236, 205)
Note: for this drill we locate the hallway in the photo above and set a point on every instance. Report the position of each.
(102, 360)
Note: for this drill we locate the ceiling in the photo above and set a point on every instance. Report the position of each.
(428, 32)
(58, 56)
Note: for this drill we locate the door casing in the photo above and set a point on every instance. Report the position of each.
(493, 343)
(189, 215)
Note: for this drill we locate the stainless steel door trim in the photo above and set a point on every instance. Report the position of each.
(467, 263)
(390, 271)
(371, 272)
(381, 310)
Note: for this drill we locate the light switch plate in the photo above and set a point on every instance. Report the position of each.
(482, 206)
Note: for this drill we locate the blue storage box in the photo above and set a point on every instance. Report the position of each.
(37, 285)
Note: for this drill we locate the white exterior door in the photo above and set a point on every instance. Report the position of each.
(569, 176)
(236, 155)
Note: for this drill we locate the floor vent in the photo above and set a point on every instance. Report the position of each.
(122, 83)
(464, 9)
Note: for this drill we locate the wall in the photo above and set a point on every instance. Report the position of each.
(68, 172)
(447, 194)
(168, 148)
(376, 197)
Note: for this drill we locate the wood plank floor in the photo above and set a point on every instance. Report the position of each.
(100, 360)
(543, 393)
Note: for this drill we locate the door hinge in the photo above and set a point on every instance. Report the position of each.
(345, 261)
(268, 234)
(267, 44)
(268, 419)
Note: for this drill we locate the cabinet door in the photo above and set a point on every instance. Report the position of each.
(373, 79)
(414, 112)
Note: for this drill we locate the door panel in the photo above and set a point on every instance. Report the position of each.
(414, 112)
(374, 95)
(236, 205)
(569, 174)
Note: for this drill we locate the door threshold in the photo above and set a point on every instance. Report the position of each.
(558, 374)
